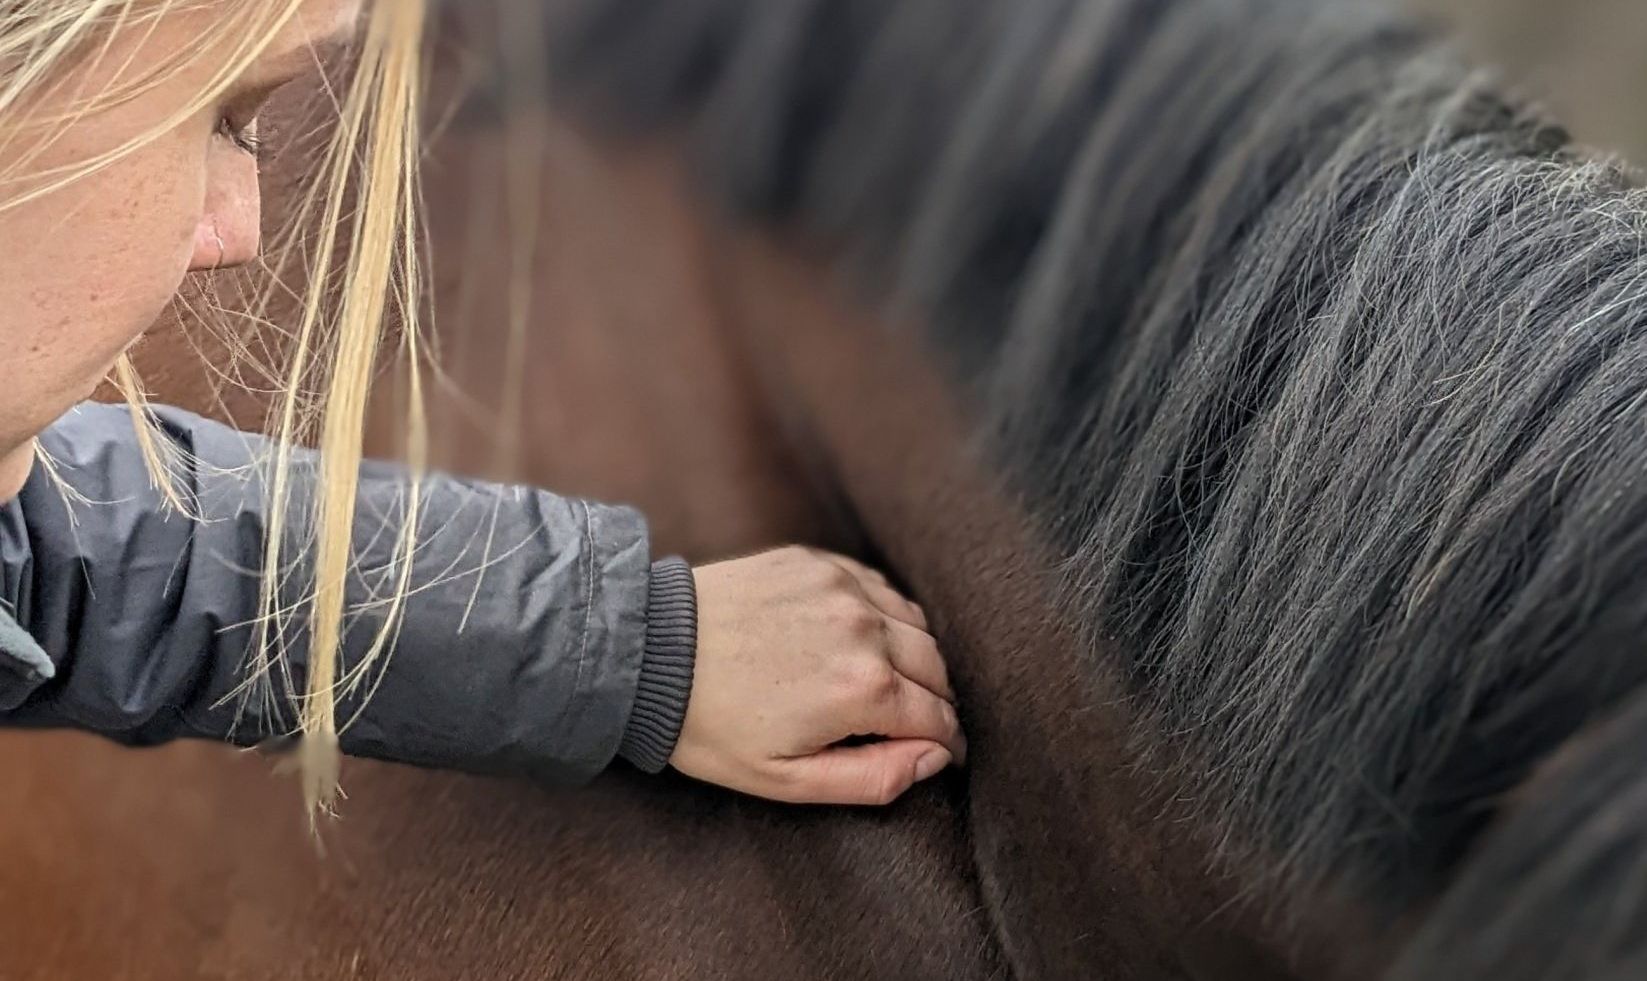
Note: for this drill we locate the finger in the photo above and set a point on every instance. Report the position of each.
(880, 593)
(915, 656)
(897, 606)
(871, 775)
(912, 712)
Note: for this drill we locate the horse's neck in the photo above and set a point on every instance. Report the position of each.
(617, 381)
(1085, 864)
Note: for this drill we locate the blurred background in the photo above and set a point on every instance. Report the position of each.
(1585, 58)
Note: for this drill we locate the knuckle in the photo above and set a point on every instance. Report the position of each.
(880, 681)
(838, 578)
(870, 678)
(858, 619)
(825, 576)
(790, 556)
(868, 626)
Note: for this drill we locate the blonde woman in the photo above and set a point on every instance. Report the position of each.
(165, 576)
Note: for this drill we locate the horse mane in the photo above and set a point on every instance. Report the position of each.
(1320, 361)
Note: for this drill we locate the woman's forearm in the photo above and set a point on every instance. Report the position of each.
(524, 647)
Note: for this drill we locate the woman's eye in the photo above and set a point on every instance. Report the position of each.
(242, 134)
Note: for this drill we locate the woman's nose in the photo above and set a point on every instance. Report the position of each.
(230, 229)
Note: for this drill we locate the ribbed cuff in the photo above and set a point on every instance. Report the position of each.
(666, 669)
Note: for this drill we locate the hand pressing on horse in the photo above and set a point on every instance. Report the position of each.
(799, 650)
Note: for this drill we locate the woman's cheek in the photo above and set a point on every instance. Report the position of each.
(166, 194)
(185, 199)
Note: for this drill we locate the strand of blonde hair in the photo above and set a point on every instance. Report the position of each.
(382, 108)
(374, 152)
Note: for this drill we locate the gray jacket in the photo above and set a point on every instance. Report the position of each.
(541, 638)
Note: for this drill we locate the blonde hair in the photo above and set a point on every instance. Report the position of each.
(355, 286)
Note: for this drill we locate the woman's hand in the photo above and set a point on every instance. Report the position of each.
(797, 651)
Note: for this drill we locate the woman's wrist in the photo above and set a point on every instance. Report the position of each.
(667, 666)
(799, 651)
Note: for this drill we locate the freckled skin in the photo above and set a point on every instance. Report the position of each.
(90, 266)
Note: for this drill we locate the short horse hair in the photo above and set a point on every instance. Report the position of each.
(1322, 363)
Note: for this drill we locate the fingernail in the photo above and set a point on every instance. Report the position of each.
(928, 766)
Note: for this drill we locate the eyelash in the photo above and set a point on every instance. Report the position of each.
(241, 136)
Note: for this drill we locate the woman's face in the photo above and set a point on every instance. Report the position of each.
(86, 269)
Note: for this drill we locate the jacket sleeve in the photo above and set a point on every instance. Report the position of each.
(539, 637)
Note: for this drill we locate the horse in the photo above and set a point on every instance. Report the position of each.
(1247, 391)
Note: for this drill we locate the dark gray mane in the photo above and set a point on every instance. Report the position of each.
(1323, 364)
